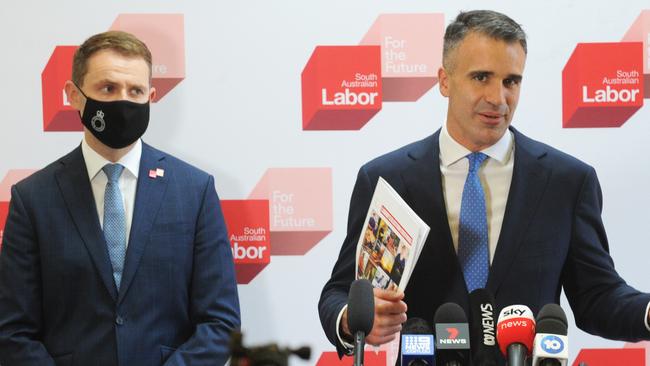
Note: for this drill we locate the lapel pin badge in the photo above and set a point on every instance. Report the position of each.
(155, 173)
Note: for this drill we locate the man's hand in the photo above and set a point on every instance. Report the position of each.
(390, 313)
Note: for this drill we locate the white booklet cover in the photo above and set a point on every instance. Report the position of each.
(391, 240)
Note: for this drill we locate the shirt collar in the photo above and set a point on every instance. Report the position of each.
(95, 162)
(451, 151)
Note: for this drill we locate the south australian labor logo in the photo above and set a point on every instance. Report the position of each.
(98, 121)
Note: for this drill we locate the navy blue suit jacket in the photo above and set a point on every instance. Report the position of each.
(552, 237)
(58, 301)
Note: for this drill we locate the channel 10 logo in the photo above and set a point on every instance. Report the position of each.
(552, 344)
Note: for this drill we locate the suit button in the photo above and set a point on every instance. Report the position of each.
(119, 320)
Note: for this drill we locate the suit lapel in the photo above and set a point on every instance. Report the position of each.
(423, 183)
(424, 187)
(75, 187)
(148, 198)
(529, 179)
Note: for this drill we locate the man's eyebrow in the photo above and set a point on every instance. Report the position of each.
(480, 72)
(515, 77)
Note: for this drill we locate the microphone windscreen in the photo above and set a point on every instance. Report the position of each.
(450, 313)
(552, 319)
(516, 325)
(416, 326)
(361, 307)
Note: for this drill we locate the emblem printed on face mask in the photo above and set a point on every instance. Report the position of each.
(98, 121)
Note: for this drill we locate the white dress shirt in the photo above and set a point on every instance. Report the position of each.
(128, 180)
(495, 174)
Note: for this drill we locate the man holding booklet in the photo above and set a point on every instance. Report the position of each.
(505, 212)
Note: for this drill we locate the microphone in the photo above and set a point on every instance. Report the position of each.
(515, 333)
(361, 315)
(551, 346)
(452, 335)
(417, 343)
(482, 327)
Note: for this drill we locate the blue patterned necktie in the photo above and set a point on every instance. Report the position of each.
(114, 220)
(472, 229)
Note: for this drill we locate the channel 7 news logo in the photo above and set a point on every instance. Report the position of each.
(552, 344)
(417, 344)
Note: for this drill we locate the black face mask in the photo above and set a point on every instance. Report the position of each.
(116, 124)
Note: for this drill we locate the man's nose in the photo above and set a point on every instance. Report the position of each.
(495, 94)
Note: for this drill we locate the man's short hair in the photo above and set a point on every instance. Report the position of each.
(487, 22)
(123, 43)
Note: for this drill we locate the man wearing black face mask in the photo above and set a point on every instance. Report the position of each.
(117, 253)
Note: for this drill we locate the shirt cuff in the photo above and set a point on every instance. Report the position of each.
(645, 320)
(349, 347)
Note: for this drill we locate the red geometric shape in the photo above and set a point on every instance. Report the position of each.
(370, 358)
(645, 345)
(341, 87)
(602, 84)
(411, 53)
(58, 114)
(609, 357)
(640, 32)
(4, 210)
(164, 35)
(300, 207)
(249, 234)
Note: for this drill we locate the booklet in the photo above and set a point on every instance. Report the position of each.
(391, 240)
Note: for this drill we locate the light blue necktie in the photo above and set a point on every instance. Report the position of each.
(114, 220)
(472, 229)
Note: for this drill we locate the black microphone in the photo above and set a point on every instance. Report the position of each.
(417, 343)
(452, 335)
(551, 347)
(483, 327)
(361, 315)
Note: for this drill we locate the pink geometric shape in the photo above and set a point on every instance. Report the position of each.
(411, 53)
(164, 34)
(58, 114)
(612, 356)
(12, 177)
(300, 207)
(645, 345)
(602, 84)
(640, 32)
(341, 87)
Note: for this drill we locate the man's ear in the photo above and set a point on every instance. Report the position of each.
(152, 94)
(76, 100)
(443, 80)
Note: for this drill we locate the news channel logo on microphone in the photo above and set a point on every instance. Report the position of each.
(552, 344)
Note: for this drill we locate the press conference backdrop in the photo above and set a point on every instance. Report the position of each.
(241, 96)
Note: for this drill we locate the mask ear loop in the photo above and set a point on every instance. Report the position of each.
(80, 91)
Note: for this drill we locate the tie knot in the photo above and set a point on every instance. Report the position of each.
(113, 172)
(475, 160)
